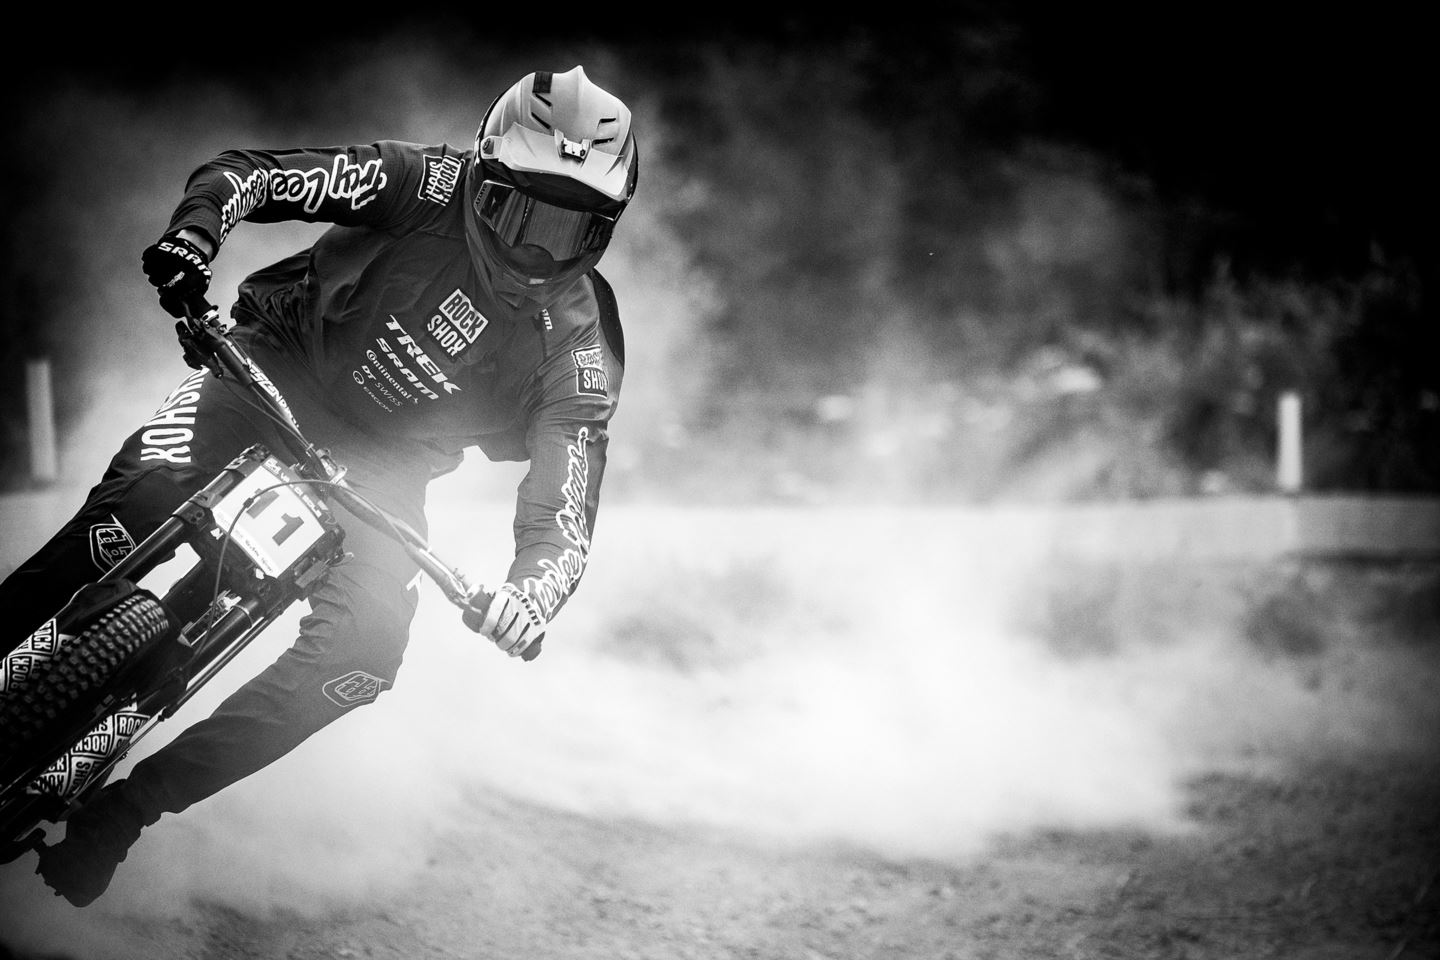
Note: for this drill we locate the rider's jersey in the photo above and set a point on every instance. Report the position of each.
(385, 314)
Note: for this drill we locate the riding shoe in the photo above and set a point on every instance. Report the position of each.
(98, 837)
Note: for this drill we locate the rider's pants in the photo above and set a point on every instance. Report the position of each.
(351, 641)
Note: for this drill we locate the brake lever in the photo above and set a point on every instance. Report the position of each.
(473, 609)
(197, 338)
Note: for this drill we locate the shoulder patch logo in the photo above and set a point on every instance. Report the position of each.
(590, 375)
(441, 176)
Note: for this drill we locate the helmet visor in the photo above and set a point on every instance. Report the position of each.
(519, 219)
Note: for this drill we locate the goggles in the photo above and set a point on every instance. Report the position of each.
(518, 218)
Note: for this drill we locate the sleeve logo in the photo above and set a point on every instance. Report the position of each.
(590, 375)
(560, 576)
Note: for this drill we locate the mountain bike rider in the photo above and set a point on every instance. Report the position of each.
(454, 303)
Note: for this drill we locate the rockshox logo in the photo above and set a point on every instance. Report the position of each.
(166, 436)
(456, 326)
(590, 375)
(441, 176)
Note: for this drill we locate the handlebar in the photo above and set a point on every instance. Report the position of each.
(207, 343)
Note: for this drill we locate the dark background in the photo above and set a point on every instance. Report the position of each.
(919, 226)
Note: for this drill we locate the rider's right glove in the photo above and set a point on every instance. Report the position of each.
(178, 269)
(512, 622)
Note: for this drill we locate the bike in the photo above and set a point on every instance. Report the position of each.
(83, 689)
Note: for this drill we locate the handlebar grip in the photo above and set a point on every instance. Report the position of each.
(474, 614)
(476, 604)
(196, 306)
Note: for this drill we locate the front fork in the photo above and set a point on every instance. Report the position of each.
(215, 628)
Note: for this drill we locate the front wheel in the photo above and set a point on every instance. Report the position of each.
(64, 694)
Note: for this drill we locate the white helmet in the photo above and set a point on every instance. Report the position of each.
(555, 165)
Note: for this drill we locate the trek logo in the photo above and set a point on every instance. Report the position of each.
(441, 176)
(109, 543)
(354, 688)
(590, 375)
(456, 326)
(422, 360)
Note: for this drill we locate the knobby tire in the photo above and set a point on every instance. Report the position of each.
(56, 693)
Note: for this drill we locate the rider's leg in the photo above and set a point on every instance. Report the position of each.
(195, 432)
(349, 650)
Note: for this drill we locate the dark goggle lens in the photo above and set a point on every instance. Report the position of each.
(520, 219)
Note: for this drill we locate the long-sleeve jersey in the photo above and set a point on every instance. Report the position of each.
(384, 316)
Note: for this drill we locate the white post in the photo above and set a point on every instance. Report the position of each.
(1289, 474)
(44, 464)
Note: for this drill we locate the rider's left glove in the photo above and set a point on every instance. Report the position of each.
(513, 622)
(179, 269)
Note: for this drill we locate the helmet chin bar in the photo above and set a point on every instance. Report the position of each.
(508, 288)
(512, 287)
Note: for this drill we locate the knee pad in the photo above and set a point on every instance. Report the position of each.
(355, 635)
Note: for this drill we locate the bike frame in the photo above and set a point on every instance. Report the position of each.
(249, 571)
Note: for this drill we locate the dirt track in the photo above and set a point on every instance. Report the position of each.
(1317, 847)
(1334, 861)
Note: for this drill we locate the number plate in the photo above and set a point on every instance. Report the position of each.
(278, 527)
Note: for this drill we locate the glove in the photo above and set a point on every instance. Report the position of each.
(512, 622)
(179, 269)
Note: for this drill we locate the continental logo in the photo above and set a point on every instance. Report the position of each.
(441, 176)
(456, 325)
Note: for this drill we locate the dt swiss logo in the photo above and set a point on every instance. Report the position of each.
(354, 688)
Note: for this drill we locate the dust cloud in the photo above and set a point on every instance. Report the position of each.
(790, 676)
(871, 677)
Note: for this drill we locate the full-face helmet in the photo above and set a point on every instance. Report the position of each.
(555, 165)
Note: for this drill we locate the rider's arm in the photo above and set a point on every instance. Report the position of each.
(382, 184)
(199, 239)
(575, 393)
